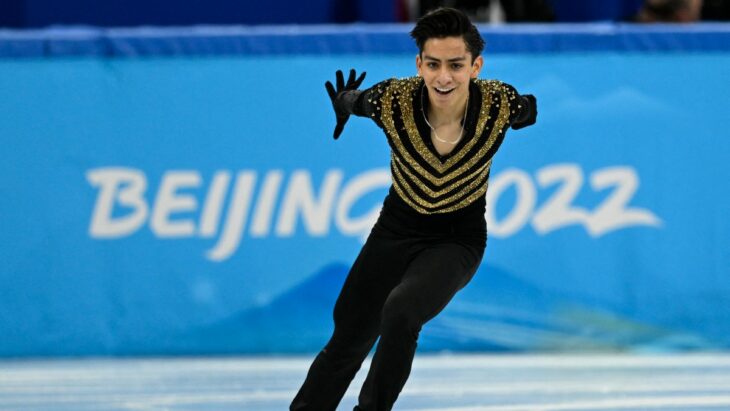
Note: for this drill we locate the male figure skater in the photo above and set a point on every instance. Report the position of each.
(444, 127)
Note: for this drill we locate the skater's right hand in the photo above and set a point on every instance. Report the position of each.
(341, 102)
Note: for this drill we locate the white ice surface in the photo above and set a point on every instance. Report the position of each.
(437, 383)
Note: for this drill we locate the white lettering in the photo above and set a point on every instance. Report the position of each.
(168, 201)
(236, 220)
(214, 204)
(299, 199)
(121, 208)
(125, 186)
(356, 189)
(558, 211)
(266, 204)
(522, 209)
(613, 214)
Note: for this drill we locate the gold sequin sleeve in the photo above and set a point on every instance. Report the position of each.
(369, 103)
(523, 110)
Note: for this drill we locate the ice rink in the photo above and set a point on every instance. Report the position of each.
(438, 382)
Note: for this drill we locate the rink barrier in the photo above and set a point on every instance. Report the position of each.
(160, 203)
(352, 39)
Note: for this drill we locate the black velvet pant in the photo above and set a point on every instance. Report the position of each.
(403, 277)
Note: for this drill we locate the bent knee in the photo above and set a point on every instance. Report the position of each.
(398, 317)
(347, 343)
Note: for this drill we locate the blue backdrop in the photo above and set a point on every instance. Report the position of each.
(199, 205)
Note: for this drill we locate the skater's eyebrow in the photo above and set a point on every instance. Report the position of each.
(427, 57)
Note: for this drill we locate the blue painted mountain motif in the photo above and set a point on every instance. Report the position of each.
(497, 311)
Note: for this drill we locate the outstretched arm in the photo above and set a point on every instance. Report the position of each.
(344, 97)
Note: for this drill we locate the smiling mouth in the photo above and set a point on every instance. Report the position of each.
(443, 91)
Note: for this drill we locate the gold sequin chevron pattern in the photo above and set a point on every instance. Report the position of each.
(424, 181)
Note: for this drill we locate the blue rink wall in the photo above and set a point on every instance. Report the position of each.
(194, 202)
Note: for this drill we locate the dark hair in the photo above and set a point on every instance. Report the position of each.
(448, 22)
(666, 9)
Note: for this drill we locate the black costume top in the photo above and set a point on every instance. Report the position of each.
(429, 187)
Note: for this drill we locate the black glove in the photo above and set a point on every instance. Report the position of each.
(342, 111)
(528, 115)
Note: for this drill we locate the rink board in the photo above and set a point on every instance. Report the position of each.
(197, 204)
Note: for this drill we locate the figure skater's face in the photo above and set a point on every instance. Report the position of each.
(446, 67)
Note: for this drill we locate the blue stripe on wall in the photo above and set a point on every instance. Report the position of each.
(353, 39)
